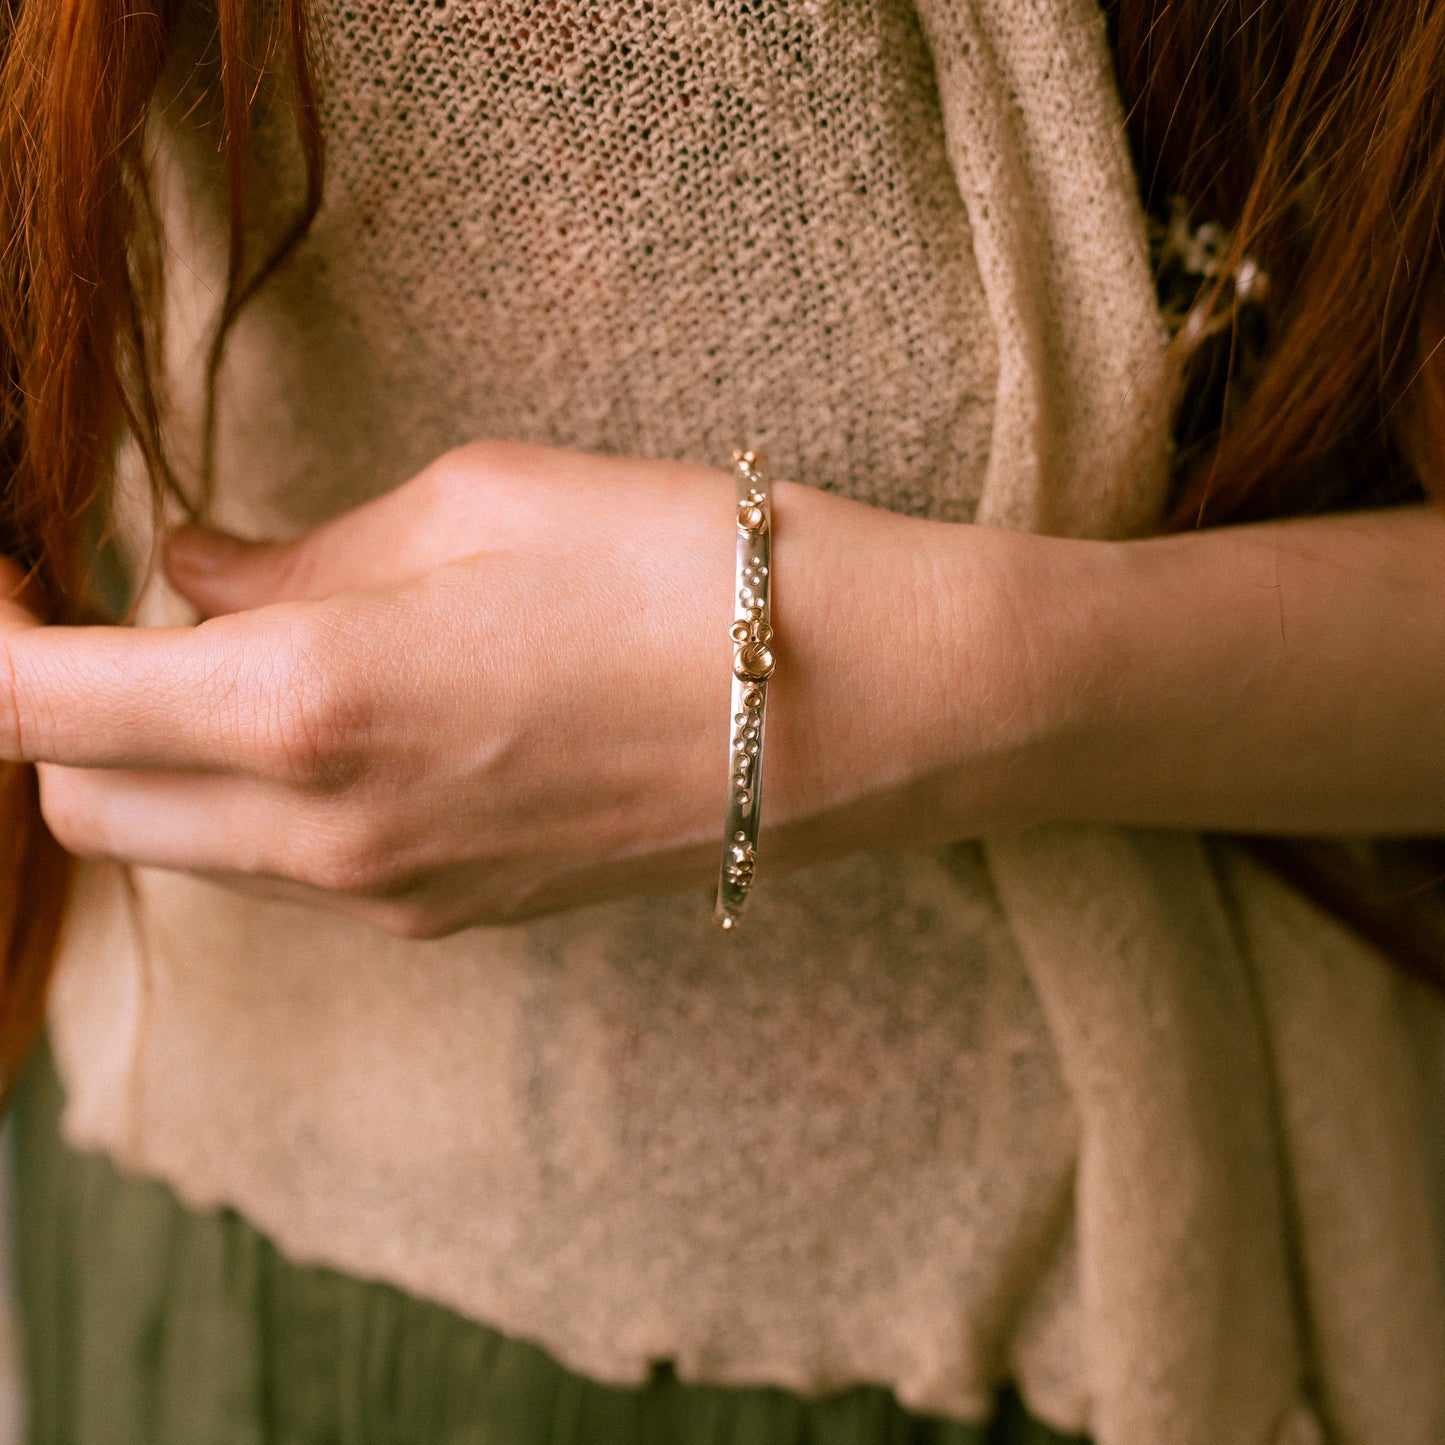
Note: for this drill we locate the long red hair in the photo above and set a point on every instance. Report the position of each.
(1314, 130)
(79, 338)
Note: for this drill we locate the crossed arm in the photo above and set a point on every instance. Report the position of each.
(501, 690)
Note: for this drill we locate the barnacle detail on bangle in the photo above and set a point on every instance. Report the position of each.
(753, 661)
(747, 746)
(742, 859)
(751, 634)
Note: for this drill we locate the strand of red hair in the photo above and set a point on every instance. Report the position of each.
(1314, 131)
(80, 275)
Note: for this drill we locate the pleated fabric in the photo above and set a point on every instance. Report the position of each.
(149, 1324)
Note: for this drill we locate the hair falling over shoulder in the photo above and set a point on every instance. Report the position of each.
(79, 330)
(1313, 130)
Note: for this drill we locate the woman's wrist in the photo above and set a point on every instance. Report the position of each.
(913, 701)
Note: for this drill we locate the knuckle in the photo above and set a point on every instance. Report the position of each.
(460, 472)
(356, 858)
(300, 736)
(490, 485)
(452, 475)
(311, 718)
(338, 867)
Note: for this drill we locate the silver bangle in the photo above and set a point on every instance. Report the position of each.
(752, 636)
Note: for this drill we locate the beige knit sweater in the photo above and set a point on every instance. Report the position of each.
(1090, 1109)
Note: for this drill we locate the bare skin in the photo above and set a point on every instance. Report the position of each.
(501, 690)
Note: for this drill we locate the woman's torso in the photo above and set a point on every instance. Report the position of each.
(795, 1156)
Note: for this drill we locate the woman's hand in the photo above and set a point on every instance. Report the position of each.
(500, 690)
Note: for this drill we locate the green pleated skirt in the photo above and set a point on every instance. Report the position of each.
(147, 1324)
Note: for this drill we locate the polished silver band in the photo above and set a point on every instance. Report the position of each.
(752, 636)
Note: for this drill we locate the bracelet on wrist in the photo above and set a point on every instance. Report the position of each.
(752, 635)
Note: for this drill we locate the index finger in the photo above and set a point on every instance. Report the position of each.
(207, 698)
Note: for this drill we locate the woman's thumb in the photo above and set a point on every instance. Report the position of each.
(223, 573)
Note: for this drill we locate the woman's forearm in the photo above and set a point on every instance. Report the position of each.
(501, 689)
(1283, 677)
